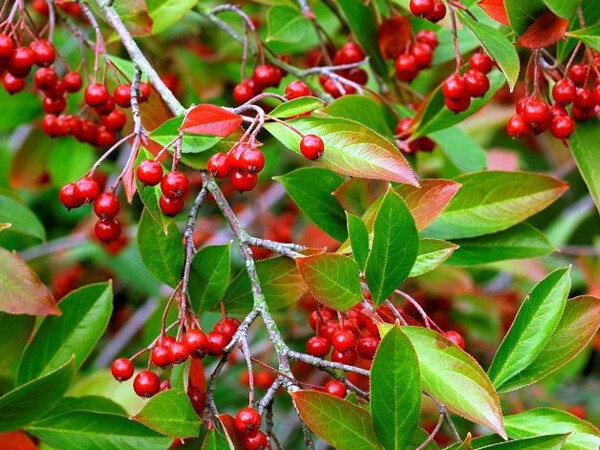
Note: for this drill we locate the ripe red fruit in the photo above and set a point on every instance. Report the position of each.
(267, 75)
(517, 127)
(296, 89)
(578, 73)
(56, 91)
(329, 329)
(122, 95)
(537, 114)
(87, 189)
(317, 346)
(455, 87)
(421, 8)
(563, 92)
(349, 53)
(243, 181)
(51, 127)
(160, 356)
(245, 91)
(170, 206)
(438, 13)
(403, 125)
(336, 388)
(121, 369)
(13, 85)
(145, 92)
(73, 82)
(106, 108)
(343, 340)
(105, 137)
(106, 205)
(312, 147)
(196, 341)
(40, 7)
(557, 110)
(455, 338)
(175, 185)
(6, 46)
(584, 99)
(165, 385)
(165, 341)
(96, 95)
(477, 83)
(581, 115)
(44, 53)
(458, 106)
(149, 172)
(178, 352)
(247, 421)
(219, 165)
(356, 74)
(115, 121)
(427, 37)
(146, 384)
(54, 106)
(216, 343)
(250, 160)
(596, 92)
(423, 55)
(22, 59)
(367, 347)
(482, 62)
(69, 196)
(348, 357)
(107, 230)
(45, 78)
(406, 67)
(227, 327)
(255, 441)
(562, 127)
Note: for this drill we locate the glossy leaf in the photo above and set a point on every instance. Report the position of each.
(350, 148)
(582, 143)
(209, 276)
(532, 328)
(296, 107)
(456, 379)
(497, 45)
(169, 130)
(429, 201)
(395, 390)
(535, 422)
(170, 413)
(545, 31)
(315, 199)
(134, 14)
(161, 253)
(332, 279)
(166, 13)
(522, 14)
(357, 194)
(338, 422)
(359, 239)
(26, 403)
(286, 24)
(94, 403)
(21, 291)
(21, 219)
(233, 438)
(85, 315)
(590, 36)
(518, 242)
(462, 150)
(150, 195)
(493, 201)
(550, 442)
(394, 249)
(578, 325)
(280, 280)
(494, 9)
(563, 8)
(18, 110)
(14, 334)
(215, 441)
(431, 253)
(210, 120)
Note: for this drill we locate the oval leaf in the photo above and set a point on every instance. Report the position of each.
(359, 239)
(432, 253)
(583, 145)
(296, 107)
(547, 30)
(209, 276)
(20, 218)
(210, 120)
(287, 24)
(14, 334)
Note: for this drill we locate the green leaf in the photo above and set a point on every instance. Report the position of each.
(94, 403)
(462, 150)
(497, 45)
(170, 413)
(549, 442)
(296, 107)
(350, 148)
(456, 379)
(394, 250)
(14, 334)
(522, 14)
(69, 160)
(287, 24)
(280, 280)
(332, 279)
(85, 315)
(162, 253)
(432, 253)
(493, 201)
(532, 328)
(17, 110)
(192, 143)
(166, 13)
(362, 23)
(584, 143)
(315, 199)
(86, 430)
(590, 36)
(359, 239)
(209, 276)
(21, 291)
(563, 8)
(539, 421)
(150, 195)
(578, 325)
(518, 242)
(29, 401)
(215, 441)
(338, 422)
(21, 219)
(395, 390)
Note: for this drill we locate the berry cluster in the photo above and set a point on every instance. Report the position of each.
(247, 423)
(174, 185)
(241, 164)
(409, 147)
(431, 10)
(459, 89)
(349, 53)
(264, 76)
(418, 56)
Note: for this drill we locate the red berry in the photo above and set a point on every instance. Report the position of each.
(165, 341)
(455, 338)
(343, 340)
(178, 352)
(44, 53)
(267, 75)
(438, 13)
(22, 59)
(581, 115)
(348, 357)
(108, 230)
(160, 356)
(227, 327)
(69, 196)
(329, 329)
(336, 388)
(367, 347)
(121, 369)
(56, 91)
(296, 89)
(482, 62)
(517, 127)
(317, 346)
(247, 421)
(106, 205)
(427, 37)
(584, 99)
(196, 341)
(87, 189)
(255, 441)
(149, 172)
(455, 87)
(165, 385)
(312, 147)
(54, 106)
(40, 7)
(250, 160)
(170, 206)
(245, 91)
(106, 108)
(458, 106)
(356, 74)
(13, 85)
(145, 92)
(146, 383)
(477, 83)
(175, 185)
(423, 55)
(578, 73)
(403, 125)
(596, 92)
(96, 95)
(73, 82)
(406, 67)
(537, 114)
(6, 46)
(219, 165)
(51, 127)
(105, 137)
(243, 181)
(115, 121)
(562, 127)
(350, 53)
(45, 78)
(563, 92)
(421, 8)
(122, 95)
(216, 343)
(557, 110)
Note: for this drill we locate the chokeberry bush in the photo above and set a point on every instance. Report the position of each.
(286, 224)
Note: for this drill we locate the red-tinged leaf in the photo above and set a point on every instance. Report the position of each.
(429, 201)
(134, 13)
(357, 194)
(16, 440)
(590, 269)
(495, 9)
(21, 291)
(228, 423)
(338, 422)
(129, 179)
(545, 31)
(211, 120)
(394, 34)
